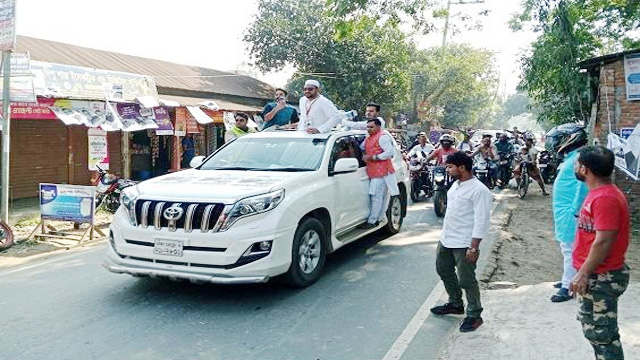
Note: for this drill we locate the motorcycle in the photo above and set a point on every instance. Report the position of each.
(548, 166)
(441, 184)
(505, 163)
(108, 190)
(482, 171)
(420, 177)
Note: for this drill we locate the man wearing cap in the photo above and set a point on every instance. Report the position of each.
(423, 146)
(317, 113)
(278, 112)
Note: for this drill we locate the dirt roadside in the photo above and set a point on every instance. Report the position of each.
(25, 250)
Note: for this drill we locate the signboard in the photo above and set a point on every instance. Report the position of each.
(98, 150)
(21, 89)
(67, 202)
(20, 64)
(632, 76)
(33, 111)
(181, 124)
(625, 132)
(66, 81)
(7, 24)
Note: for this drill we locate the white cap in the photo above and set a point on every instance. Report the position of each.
(312, 83)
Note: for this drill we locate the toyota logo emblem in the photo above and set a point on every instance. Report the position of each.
(173, 213)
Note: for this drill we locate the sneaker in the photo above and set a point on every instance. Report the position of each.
(470, 324)
(448, 308)
(562, 295)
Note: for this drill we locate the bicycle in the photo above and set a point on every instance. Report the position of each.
(523, 185)
(6, 236)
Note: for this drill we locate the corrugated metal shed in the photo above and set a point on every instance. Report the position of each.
(167, 75)
(224, 105)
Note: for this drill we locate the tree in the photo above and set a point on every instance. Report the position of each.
(356, 61)
(571, 31)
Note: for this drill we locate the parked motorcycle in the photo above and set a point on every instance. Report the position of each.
(108, 190)
(420, 177)
(505, 164)
(441, 184)
(482, 170)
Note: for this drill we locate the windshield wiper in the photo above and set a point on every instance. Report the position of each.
(289, 169)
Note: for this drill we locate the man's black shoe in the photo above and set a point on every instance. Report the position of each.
(562, 295)
(448, 308)
(558, 285)
(367, 226)
(470, 324)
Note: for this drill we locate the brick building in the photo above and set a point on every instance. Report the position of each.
(612, 112)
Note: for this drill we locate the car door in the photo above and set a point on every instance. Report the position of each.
(350, 190)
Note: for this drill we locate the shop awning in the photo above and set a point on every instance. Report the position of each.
(223, 104)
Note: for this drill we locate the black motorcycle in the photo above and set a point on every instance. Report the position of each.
(548, 166)
(420, 177)
(505, 164)
(108, 190)
(441, 184)
(482, 170)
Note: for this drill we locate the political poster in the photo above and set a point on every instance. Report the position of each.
(163, 120)
(98, 150)
(67, 202)
(627, 152)
(632, 76)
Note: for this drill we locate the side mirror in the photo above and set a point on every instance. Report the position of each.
(345, 165)
(196, 161)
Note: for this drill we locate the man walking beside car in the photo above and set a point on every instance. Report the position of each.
(378, 154)
(465, 224)
(317, 113)
(602, 241)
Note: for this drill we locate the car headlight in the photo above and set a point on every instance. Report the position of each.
(251, 206)
(128, 199)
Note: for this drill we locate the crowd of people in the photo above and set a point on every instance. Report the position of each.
(591, 215)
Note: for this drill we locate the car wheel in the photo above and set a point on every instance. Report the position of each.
(308, 254)
(394, 216)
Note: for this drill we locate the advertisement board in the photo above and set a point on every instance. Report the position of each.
(67, 202)
(7, 24)
(98, 150)
(632, 76)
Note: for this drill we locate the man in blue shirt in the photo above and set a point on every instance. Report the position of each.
(278, 112)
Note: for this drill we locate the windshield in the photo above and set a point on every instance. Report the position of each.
(268, 154)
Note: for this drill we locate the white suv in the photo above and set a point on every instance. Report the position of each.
(267, 204)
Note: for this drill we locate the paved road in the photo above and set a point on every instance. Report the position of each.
(362, 308)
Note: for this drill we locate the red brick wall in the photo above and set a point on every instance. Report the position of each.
(614, 107)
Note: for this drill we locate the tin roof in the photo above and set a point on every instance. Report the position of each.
(223, 104)
(167, 75)
(598, 61)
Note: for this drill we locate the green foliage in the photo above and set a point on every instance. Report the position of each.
(571, 31)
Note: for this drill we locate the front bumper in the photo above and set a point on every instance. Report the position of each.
(207, 257)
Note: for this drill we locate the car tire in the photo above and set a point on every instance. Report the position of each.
(308, 254)
(394, 216)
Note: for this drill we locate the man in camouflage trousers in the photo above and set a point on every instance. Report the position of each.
(598, 255)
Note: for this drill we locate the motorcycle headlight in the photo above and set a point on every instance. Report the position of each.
(251, 206)
(439, 177)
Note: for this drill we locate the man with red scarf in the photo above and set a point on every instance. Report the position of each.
(379, 150)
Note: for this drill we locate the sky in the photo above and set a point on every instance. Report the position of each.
(209, 33)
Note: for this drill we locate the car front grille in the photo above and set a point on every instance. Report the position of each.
(194, 216)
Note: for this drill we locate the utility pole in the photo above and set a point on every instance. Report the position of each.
(446, 19)
(6, 140)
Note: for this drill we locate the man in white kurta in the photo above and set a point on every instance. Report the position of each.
(379, 151)
(317, 113)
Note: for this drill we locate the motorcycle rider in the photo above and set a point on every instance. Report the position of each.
(466, 146)
(530, 153)
(423, 146)
(504, 145)
(446, 148)
(488, 152)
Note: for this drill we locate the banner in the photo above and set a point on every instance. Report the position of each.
(92, 114)
(21, 89)
(98, 150)
(632, 76)
(165, 127)
(33, 111)
(627, 152)
(66, 81)
(67, 202)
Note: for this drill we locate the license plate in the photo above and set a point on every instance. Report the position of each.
(481, 171)
(503, 162)
(542, 165)
(168, 247)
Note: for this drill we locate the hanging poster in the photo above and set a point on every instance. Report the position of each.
(7, 24)
(161, 115)
(181, 122)
(67, 202)
(229, 120)
(98, 150)
(627, 152)
(135, 118)
(632, 76)
(216, 115)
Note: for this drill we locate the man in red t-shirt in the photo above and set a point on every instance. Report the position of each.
(446, 148)
(601, 243)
